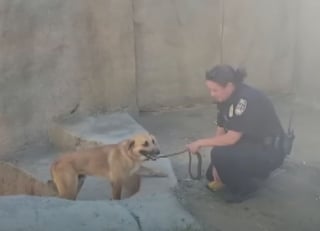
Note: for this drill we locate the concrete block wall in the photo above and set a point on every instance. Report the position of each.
(142, 54)
(177, 41)
(307, 64)
(56, 54)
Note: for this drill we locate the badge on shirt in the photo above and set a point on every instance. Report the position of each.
(241, 107)
(231, 109)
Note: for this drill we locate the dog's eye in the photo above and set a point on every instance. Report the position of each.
(146, 144)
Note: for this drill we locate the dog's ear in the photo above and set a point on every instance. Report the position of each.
(131, 144)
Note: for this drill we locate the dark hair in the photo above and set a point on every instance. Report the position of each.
(224, 74)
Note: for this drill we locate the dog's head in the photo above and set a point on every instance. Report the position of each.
(145, 145)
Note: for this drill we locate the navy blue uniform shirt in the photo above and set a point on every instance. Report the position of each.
(250, 112)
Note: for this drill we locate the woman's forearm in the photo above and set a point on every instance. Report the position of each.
(225, 139)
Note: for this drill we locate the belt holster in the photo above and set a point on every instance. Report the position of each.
(282, 143)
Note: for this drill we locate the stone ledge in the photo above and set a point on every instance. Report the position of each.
(156, 213)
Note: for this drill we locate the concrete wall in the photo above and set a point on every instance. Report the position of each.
(307, 65)
(177, 41)
(261, 36)
(55, 54)
(111, 54)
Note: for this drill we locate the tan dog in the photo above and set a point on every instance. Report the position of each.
(118, 163)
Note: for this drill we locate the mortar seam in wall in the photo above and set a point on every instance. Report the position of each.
(135, 56)
(222, 16)
(295, 80)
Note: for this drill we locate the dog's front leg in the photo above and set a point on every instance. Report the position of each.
(116, 190)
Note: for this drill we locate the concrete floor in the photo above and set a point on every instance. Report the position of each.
(289, 199)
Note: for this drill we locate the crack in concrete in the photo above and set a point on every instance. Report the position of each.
(136, 218)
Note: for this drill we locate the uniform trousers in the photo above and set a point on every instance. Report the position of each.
(240, 164)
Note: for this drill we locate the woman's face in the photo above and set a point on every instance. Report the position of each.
(218, 92)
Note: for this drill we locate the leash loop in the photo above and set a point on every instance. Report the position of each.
(199, 165)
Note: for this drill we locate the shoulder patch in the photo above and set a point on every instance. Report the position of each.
(241, 107)
(231, 109)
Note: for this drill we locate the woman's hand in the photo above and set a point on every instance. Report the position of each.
(194, 147)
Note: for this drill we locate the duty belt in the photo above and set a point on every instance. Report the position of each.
(282, 143)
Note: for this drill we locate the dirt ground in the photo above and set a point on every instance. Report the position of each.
(288, 200)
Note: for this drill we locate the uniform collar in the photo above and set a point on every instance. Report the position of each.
(234, 96)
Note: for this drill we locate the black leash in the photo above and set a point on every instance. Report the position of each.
(172, 154)
(199, 165)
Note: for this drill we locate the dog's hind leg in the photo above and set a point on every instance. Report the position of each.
(67, 184)
(81, 179)
(69, 187)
